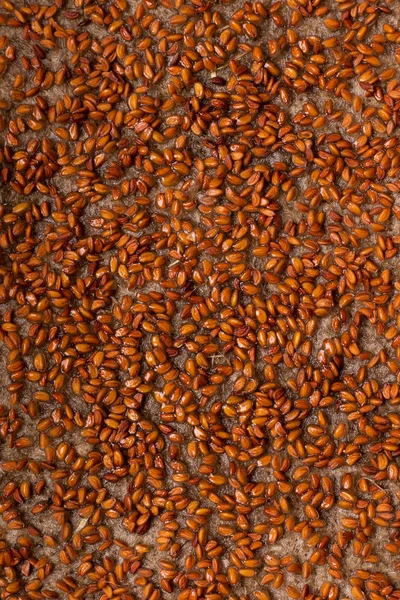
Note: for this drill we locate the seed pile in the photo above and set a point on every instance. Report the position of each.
(200, 300)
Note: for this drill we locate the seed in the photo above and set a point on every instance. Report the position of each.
(199, 299)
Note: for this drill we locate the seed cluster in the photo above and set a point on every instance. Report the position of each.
(199, 299)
